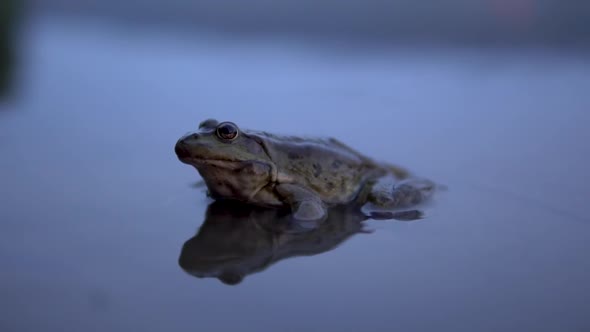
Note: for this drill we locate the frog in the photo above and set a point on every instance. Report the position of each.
(308, 175)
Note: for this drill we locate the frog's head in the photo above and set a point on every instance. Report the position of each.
(233, 163)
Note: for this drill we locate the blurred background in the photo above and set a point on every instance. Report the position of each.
(489, 97)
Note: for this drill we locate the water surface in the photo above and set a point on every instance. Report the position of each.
(96, 208)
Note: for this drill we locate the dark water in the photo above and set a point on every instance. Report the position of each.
(96, 209)
(499, 22)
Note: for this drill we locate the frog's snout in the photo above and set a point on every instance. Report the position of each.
(181, 150)
(181, 147)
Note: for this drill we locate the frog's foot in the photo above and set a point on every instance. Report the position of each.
(407, 215)
(404, 194)
(305, 205)
(309, 211)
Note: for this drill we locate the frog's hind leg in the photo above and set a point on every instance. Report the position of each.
(404, 194)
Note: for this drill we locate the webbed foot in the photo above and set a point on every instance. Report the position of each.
(404, 194)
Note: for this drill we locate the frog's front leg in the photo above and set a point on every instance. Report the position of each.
(404, 194)
(305, 204)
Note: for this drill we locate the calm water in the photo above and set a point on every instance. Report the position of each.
(96, 209)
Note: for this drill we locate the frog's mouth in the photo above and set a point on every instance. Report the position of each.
(213, 165)
(184, 155)
(219, 163)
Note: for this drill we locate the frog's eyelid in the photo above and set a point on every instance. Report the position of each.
(209, 124)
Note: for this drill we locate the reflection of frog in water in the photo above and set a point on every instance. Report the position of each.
(308, 175)
(238, 239)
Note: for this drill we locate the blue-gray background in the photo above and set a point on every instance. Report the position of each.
(490, 98)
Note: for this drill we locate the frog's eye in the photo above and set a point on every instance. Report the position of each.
(227, 131)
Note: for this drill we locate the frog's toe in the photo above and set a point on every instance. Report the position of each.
(404, 194)
(407, 215)
(310, 211)
(426, 187)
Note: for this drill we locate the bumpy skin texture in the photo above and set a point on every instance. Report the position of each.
(306, 174)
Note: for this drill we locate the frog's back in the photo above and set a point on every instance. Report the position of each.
(330, 168)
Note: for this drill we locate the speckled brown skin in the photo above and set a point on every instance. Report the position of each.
(306, 174)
